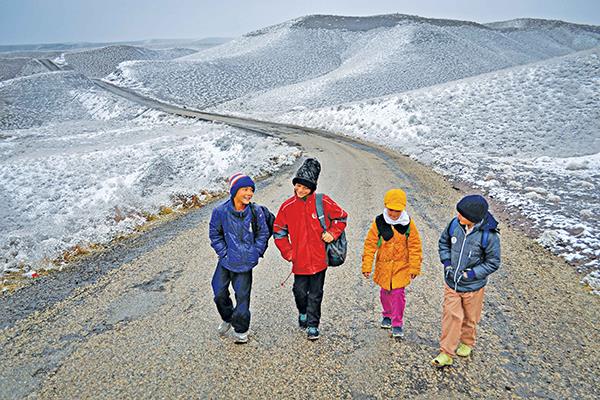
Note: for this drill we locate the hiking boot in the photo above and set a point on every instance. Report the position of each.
(397, 332)
(386, 323)
(463, 350)
(302, 321)
(312, 333)
(223, 327)
(240, 337)
(442, 360)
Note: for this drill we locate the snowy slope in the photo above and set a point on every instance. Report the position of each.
(71, 155)
(247, 65)
(79, 165)
(84, 182)
(323, 60)
(53, 97)
(101, 62)
(528, 136)
(32, 67)
(558, 37)
(11, 67)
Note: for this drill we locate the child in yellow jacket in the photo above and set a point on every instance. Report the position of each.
(395, 240)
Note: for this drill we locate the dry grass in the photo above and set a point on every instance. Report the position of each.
(13, 281)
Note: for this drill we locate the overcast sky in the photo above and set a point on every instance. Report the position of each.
(50, 21)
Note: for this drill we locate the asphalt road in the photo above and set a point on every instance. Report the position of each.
(147, 328)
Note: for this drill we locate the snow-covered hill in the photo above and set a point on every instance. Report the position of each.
(101, 62)
(323, 60)
(79, 165)
(19, 66)
(11, 67)
(80, 182)
(528, 136)
(56, 97)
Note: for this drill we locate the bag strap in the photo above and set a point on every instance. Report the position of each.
(453, 226)
(254, 220)
(485, 236)
(320, 213)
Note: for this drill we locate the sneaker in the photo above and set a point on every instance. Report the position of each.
(463, 350)
(223, 327)
(312, 333)
(442, 360)
(386, 323)
(240, 337)
(302, 321)
(397, 332)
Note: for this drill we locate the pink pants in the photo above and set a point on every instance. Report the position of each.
(393, 302)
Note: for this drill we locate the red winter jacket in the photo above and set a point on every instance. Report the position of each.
(297, 232)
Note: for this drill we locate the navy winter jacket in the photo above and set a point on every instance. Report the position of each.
(231, 236)
(465, 253)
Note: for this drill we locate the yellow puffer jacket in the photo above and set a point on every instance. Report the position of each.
(397, 259)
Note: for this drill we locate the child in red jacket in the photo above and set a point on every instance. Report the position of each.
(300, 239)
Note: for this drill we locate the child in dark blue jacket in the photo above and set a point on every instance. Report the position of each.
(469, 249)
(238, 248)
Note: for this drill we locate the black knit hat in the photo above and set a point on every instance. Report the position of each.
(473, 207)
(308, 174)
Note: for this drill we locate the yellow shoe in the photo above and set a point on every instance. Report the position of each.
(442, 360)
(463, 350)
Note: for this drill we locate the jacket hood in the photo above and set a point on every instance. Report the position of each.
(489, 223)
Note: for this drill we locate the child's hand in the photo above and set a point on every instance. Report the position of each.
(366, 274)
(327, 237)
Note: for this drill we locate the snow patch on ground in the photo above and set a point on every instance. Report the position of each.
(79, 165)
(81, 182)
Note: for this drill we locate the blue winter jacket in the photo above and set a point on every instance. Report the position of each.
(465, 253)
(231, 236)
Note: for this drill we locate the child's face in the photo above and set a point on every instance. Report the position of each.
(301, 190)
(464, 221)
(394, 214)
(244, 195)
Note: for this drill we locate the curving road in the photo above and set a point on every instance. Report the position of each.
(49, 64)
(146, 329)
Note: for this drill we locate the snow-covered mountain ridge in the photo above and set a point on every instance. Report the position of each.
(320, 60)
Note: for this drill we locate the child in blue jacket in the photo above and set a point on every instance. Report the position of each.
(238, 248)
(469, 250)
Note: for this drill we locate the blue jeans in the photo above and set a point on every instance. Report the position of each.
(238, 316)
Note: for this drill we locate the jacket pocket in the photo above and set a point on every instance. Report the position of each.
(254, 255)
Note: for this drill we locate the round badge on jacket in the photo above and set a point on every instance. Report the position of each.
(454, 240)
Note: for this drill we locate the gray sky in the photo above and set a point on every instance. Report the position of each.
(49, 21)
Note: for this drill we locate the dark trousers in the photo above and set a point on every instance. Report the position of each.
(238, 316)
(308, 293)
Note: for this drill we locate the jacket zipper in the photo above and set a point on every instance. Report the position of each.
(241, 235)
(460, 259)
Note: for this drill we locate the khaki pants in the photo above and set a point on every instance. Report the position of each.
(461, 314)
